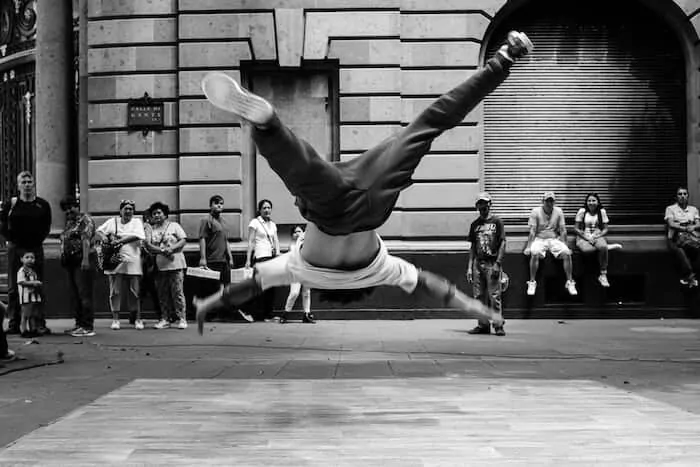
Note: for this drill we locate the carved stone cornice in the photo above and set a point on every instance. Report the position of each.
(18, 22)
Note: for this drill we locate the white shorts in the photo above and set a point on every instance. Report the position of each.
(540, 247)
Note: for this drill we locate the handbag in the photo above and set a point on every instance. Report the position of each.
(109, 256)
(269, 238)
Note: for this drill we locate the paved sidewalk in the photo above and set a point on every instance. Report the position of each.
(659, 360)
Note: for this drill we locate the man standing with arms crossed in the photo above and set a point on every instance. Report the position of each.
(487, 239)
(25, 222)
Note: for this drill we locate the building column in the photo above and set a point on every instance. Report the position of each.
(54, 98)
(82, 145)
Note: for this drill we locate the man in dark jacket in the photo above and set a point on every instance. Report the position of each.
(25, 222)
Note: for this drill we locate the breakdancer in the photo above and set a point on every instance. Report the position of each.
(345, 202)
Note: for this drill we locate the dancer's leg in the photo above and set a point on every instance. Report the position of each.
(306, 174)
(233, 296)
(450, 296)
(386, 169)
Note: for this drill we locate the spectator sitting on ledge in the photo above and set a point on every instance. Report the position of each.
(548, 234)
(591, 229)
(683, 221)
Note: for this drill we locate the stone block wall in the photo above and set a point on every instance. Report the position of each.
(132, 49)
(394, 57)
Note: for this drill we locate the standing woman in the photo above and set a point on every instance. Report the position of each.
(263, 245)
(296, 287)
(591, 229)
(166, 242)
(126, 231)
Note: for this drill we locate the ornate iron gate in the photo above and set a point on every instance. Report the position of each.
(17, 135)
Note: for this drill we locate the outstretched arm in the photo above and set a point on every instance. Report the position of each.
(231, 297)
(448, 294)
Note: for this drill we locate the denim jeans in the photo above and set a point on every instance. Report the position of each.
(358, 195)
(486, 286)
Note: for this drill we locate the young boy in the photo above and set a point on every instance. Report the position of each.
(345, 202)
(29, 288)
(214, 250)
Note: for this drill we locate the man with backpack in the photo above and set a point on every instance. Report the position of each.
(25, 222)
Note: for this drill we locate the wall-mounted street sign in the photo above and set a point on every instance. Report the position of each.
(145, 114)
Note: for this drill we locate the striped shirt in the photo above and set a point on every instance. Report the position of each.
(27, 293)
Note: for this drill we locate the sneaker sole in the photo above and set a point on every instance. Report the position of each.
(225, 93)
(525, 42)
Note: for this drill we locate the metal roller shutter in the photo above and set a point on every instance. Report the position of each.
(598, 107)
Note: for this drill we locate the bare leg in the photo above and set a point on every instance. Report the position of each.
(568, 266)
(534, 266)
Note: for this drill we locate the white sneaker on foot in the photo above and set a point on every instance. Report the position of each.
(162, 324)
(115, 325)
(182, 324)
(138, 325)
(517, 45)
(603, 279)
(9, 356)
(245, 316)
(571, 287)
(224, 92)
(531, 287)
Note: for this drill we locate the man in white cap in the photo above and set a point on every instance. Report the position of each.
(487, 239)
(548, 234)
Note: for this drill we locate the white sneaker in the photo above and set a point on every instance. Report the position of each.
(9, 356)
(603, 279)
(115, 325)
(162, 324)
(571, 287)
(225, 92)
(245, 316)
(138, 325)
(614, 246)
(182, 324)
(531, 287)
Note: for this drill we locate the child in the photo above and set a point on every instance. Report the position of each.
(29, 288)
(295, 288)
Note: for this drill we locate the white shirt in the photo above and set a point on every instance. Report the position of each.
(164, 236)
(131, 252)
(264, 239)
(590, 221)
(684, 217)
(385, 269)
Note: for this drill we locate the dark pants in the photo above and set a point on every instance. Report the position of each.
(486, 286)
(80, 282)
(686, 248)
(209, 287)
(14, 262)
(266, 301)
(358, 195)
(3, 338)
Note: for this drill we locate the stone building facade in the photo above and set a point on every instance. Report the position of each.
(368, 68)
(345, 74)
